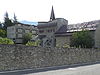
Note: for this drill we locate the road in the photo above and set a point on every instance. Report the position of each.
(81, 70)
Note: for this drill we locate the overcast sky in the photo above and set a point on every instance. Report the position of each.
(75, 11)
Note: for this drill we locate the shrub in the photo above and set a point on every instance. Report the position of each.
(82, 39)
(3, 33)
(66, 46)
(27, 37)
(6, 41)
(35, 43)
(57, 45)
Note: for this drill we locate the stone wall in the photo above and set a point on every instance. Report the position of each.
(63, 40)
(22, 57)
(97, 37)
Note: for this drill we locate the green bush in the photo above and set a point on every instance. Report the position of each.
(82, 39)
(66, 46)
(29, 43)
(3, 33)
(35, 43)
(27, 37)
(57, 45)
(6, 41)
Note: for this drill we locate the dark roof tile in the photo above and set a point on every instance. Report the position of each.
(49, 24)
(62, 29)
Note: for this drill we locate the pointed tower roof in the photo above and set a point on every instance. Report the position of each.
(15, 19)
(52, 17)
(6, 15)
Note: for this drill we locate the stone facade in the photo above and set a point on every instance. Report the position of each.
(57, 32)
(54, 32)
(65, 38)
(49, 29)
(97, 37)
(24, 57)
(17, 31)
(62, 40)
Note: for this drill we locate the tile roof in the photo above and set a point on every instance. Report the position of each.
(62, 29)
(63, 34)
(49, 24)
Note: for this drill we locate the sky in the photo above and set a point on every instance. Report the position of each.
(75, 11)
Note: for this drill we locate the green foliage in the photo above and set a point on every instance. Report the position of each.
(66, 46)
(27, 37)
(35, 43)
(3, 33)
(15, 19)
(0, 25)
(57, 45)
(6, 41)
(7, 22)
(82, 39)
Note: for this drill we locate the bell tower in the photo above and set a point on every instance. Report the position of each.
(52, 17)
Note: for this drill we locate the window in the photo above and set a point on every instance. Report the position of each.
(27, 31)
(53, 30)
(19, 35)
(41, 31)
(19, 30)
(48, 30)
(34, 32)
(12, 28)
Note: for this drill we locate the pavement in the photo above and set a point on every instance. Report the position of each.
(93, 69)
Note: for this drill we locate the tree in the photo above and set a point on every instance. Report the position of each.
(7, 21)
(0, 25)
(27, 37)
(82, 39)
(15, 19)
(3, 33)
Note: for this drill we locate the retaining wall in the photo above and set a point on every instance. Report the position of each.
(23, 57)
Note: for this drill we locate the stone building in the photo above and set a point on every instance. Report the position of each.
(57, 32)
(17, 31)
(48, 30)
(97, 37)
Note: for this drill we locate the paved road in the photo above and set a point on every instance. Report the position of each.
(82, 70)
